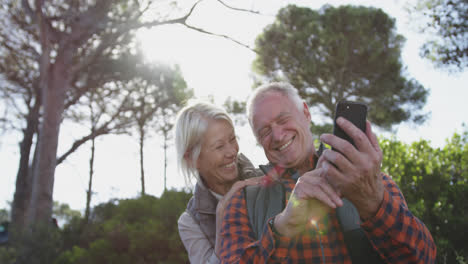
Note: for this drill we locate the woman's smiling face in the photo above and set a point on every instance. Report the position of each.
(217, 163)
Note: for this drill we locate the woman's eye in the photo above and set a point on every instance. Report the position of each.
(219, 146)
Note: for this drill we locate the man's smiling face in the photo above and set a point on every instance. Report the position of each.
(282, 129)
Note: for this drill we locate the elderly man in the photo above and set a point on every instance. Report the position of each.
(308, 227)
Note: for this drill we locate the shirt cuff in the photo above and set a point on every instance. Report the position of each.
(385, 218)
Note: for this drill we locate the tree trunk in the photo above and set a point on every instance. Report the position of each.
(19, 209)
(91, 161)
(90, 184)
(165, 159)
(54, 84)
(142, 170)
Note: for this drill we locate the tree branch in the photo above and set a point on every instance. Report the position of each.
(183, 21)
(239, 9)
(101, 131)
(87, 60)
(28, 10)
(221, 36)
(180, 20)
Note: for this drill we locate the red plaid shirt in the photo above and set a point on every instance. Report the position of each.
(396, 234)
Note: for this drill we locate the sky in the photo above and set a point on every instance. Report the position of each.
(216, 67)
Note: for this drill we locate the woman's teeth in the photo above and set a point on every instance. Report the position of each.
(230, 165)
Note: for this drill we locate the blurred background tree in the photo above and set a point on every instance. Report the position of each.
(142, 230)
(435, 185)
(52, 56)
(446, 22)
(348, 52)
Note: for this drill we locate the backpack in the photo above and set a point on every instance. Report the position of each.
(264, 202)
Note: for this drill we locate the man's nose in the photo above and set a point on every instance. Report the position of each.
(277, 133)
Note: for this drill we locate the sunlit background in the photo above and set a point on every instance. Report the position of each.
(217, 68)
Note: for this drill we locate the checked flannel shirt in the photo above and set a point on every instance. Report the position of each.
(396, 234)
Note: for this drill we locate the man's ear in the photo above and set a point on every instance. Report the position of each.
(306, 112)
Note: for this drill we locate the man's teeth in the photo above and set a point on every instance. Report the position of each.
(286, 145)
(230, 165)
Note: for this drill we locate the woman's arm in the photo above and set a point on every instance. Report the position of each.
(197, 245)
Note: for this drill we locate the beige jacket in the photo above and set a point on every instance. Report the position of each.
(197, 225)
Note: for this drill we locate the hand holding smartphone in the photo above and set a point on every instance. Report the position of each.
(354, 112)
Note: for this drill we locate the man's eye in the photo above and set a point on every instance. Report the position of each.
(265, 133)
(219, 147)
(283, 120)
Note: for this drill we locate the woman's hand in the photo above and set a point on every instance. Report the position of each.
(224, 201)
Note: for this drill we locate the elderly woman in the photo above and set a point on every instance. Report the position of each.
(207, 150)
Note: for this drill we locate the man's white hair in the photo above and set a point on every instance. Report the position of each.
(282, 88)
(190, 126)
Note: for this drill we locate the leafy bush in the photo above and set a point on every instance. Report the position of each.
(142, 230)
(435, 185)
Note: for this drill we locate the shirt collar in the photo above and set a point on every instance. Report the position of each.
(276, 172)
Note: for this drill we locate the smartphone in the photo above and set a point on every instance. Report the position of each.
(354, 112)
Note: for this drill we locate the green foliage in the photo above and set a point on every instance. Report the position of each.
(4, 215)
(37, 245)
(447, 23)
(64, 212)
(339, 53)
(142, 230)
(8, 255)
(435, 185)
(237, 110)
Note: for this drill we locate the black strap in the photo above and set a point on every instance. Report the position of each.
(358, 244)
(263, 202)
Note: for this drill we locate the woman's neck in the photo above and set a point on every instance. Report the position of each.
(221, 189)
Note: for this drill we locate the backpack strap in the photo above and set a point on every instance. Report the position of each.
(263, 202)
(358, 244)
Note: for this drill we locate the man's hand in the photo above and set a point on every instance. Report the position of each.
(310, 200)
(355, 172)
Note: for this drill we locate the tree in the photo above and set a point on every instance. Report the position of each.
(142, 230)
(63, 212)
(52, 53)
(236, 109)
(164, 124)
(341, 53)
(446, 21)
(154, 103)
(435, 185)
(4, 215)
(106, 77)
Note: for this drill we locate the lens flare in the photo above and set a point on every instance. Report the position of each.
(313, 222)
